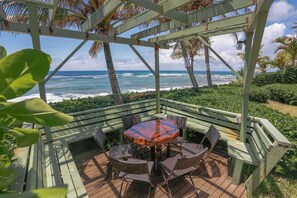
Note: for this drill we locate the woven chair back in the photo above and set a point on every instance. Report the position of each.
(100, 138)
(185, 162)
(128, 167)
(129, 121)
(181, 122)
(213, 136)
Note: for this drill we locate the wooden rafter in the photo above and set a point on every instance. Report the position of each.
(71, 34)
(101, 13)
(52, 13)
(228, 23)
(173, 14)
(168, 8)
(197, 16)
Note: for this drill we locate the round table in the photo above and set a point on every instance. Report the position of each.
(153, 133)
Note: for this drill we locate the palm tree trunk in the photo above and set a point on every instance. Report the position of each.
(117, 95)
(189, 66)
(207, 66)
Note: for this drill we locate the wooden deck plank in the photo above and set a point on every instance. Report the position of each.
(92, 169)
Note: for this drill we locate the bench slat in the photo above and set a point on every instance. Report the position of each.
(242, 151)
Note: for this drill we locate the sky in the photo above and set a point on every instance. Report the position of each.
(281, 16)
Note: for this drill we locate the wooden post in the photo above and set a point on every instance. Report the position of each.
(245, 97)
(34, 31)
(157, 78)
(252, 50)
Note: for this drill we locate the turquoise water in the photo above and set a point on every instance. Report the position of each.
(75, 84)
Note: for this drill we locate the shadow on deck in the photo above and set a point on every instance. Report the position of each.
(92, 167)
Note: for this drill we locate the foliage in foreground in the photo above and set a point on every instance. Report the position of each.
(20, 72)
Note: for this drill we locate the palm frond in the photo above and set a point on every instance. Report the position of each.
(95, 49)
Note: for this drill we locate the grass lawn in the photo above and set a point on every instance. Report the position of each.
(282, 180)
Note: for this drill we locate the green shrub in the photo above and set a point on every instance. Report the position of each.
(259, 94)
(268, 78)
(283, 93)
(290, 75)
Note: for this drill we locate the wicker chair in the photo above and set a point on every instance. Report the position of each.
(213, 136)
(180, 166)
(118, 151)
(133, 170)
(181, 122)
(128, 122)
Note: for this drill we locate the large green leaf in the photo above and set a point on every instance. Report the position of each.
(34, 111)
(7, 176)
(39, 193)
(25, 137)
(21, 71)
(3, 52)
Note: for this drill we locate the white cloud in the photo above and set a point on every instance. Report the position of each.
(280, 11)
(270, 34)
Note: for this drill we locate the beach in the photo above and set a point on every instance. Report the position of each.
(80, 84)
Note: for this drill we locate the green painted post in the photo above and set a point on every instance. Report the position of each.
(157, 78)
(245, 97)
(34, 31)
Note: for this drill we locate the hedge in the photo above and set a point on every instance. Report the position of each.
(288, 76)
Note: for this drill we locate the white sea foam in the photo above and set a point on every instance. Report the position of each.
(127, 74)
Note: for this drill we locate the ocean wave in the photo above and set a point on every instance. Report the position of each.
(127, 74)
(79, 76)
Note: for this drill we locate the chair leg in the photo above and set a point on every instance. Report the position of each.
(149, 191)
(168, 150)
(120, 193)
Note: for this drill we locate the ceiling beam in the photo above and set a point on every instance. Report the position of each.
(72, 34)
(101, 13)
(173, 14)
(40, 4)
(168, 9)
(262, 6)
(197, 16)
(52, 13)
(227, 23)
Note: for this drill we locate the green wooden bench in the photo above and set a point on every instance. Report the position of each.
(264, 146)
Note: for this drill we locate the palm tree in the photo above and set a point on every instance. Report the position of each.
(282, 60)
(289, 45)
(72, 13)
(188, 49)
(263, 62)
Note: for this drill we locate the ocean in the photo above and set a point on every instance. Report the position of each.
(79, 84)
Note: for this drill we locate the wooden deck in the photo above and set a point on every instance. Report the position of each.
(92, 167)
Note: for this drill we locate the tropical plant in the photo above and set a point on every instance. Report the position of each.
(287, 44)
(281, 60)
(3, 52)
(20, 72)
(263, 62)
(188, 49)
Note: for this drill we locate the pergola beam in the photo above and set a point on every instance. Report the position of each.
(168, 8)
(52, 13)
(142, 59)
(227, 23)
(64, 61)
(71, 34)
(198, 16)
(101, 13)
(40, 4)
(173, 14)
(261, 5)
(221, 59)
